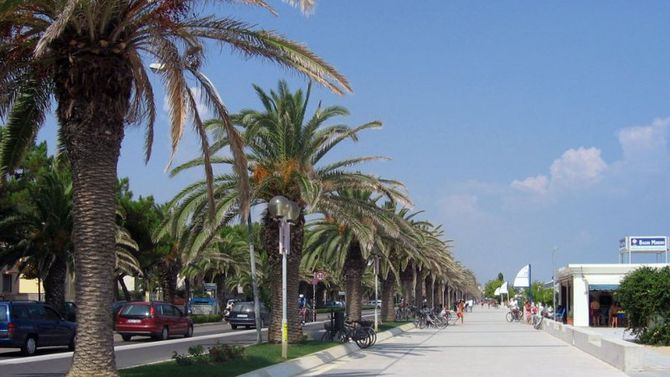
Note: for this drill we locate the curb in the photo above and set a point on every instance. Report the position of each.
(619, 353)
(303, 364)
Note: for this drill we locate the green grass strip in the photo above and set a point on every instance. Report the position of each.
(255, 357)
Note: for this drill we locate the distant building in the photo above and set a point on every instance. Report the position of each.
(579, 284)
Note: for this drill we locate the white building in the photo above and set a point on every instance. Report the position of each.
(580, 282)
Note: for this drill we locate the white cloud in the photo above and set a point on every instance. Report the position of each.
(645, 147)
(536, 185)
(461, 205)
(578, 167)
(575, 169)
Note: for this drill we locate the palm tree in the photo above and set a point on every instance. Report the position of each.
(42, 233)
(225, 256)
(286, 147)
(349, 240)
(90, 56)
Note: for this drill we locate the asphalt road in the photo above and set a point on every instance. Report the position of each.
(139, 351)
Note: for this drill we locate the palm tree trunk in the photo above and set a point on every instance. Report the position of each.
(416, 284)
(169, 275)
(406, 282)
(422, 281)
(270, 239)
(54, 284)
(388, 289)
(93, 93)
(354, 267)
(220, 280)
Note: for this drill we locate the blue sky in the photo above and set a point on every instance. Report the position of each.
(519, 125)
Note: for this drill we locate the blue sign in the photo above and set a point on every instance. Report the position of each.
(648, 243)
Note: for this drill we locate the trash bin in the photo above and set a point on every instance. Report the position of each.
(339, 320)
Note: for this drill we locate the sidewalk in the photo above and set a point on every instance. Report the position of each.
(486, 345)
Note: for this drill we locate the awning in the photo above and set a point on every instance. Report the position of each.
(603, 287)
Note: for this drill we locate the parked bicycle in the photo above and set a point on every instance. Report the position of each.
(331, 333)
(405, 313)
(537, 318)
(450, 316)
(361, 332)
(426, 318)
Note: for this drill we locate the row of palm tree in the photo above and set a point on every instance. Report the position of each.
(348, 224)
(90, 58)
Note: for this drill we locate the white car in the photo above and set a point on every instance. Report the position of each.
(375, 302)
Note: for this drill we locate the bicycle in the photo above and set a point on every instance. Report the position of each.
(536, 321)
(451, 317)
(405, 313)
(514, 314)
(425, 318)
(331, 333)
(361, 332)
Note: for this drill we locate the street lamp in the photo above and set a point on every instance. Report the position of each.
(376, 262)
(284, 211)
(553, 281)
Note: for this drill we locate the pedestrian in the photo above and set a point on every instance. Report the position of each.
(613, 315)
(460, 309)
(527, 311)
(595, 312)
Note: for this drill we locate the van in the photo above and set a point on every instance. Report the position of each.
(30, 324)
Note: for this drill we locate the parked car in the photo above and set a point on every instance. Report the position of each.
(243, 314)
(116, 307)
(332, 304)
(30, 324)
(378, 303)
(229, 306)
(70, 311)
(158, 320)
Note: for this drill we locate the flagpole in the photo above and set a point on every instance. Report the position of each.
(530, 284)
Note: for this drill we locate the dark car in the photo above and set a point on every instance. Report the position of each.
(332, 305)
(158, 320)
(30, 324)
(242, 314)
(116, 307)
(70, 311)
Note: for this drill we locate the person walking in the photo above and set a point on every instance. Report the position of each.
(595, 312)
(613, 315)
(460, 310)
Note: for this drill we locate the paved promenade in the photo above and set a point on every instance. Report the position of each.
(485, 345)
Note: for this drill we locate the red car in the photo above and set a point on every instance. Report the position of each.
(159, 320)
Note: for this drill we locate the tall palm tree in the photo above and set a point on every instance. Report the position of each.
(90, 55)
(349, 243)
(286, 147)
(43, 233)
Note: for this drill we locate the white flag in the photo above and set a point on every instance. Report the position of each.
(522, 279)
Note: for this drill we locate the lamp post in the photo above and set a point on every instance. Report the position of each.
(553, 281)
(376, 261)
(284, 211)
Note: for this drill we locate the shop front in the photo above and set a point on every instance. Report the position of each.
(587, 290)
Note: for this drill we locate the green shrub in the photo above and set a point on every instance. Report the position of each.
(196, 355)
(216, 354)
(220, 353)
(644, 295)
